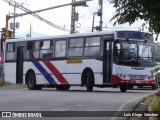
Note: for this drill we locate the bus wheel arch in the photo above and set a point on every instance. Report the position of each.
(30, 80)
(87, 78)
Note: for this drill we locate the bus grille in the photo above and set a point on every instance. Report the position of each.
(137, 77)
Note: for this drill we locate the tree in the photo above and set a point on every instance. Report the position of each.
(132, 10)
(157, 53)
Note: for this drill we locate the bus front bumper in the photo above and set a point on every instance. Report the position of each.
(116, 80)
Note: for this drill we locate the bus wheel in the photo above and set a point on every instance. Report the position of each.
(63, 87)
(129, 87)
(115, 86)
(154, 87)
(140, 86)
(31, 82)
(123, 88)
(89, 80)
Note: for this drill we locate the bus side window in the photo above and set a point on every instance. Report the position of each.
(30, 55)
(75, 47)
(36, 49)
(30, 50)
(60, 50)
(46, 49)
(10, 51)
(92, 46)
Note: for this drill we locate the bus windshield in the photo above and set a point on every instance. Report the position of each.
(133, 53)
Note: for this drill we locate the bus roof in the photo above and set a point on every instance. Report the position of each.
(67, 36)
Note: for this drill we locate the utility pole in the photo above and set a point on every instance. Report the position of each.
(30, 34)
(93, 21)
(78, 3)
(101, 11)
(73, 19)
(14, 21)
(75, 16)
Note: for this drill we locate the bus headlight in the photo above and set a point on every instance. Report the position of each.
(123, 76)
(120, 75)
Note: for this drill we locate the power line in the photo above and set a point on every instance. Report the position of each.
(21, 7)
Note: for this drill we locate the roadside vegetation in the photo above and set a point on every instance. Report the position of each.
(156, 105)
(12, 85)
(129, 11)
(1, 82)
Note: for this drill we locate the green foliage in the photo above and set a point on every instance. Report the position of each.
(132, 10)
(155, 70)
(156, 105)
(1, 82)
(157, 53)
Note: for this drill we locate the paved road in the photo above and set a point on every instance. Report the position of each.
(76, 99)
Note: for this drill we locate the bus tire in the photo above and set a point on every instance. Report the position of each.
(130, 87)
(154, 87)
(63, 87)
(140, 86)
(123, 88)
(31, 81)
(115, 86)
(89, 80)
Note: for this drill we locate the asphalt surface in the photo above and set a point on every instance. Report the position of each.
(76, 99)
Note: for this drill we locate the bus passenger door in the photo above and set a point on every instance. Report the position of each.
(107, 61)
(19, 64)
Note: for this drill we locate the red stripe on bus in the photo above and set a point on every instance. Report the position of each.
(55, 71)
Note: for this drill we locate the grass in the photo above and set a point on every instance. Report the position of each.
(1, 82)
(156, 105)
(12, 85)
(148, 98)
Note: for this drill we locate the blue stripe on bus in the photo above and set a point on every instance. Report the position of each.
(44, 72)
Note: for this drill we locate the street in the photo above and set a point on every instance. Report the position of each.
(76, 99)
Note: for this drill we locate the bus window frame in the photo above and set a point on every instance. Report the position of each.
(100, 36)
(6, 50)
(66, 50)
(32, 50)
(68, 47)
(51, 48)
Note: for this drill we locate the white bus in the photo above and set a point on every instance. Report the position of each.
(97, 59)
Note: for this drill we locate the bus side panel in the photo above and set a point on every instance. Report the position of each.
(47, 72)
(10, 73)
(74, 70)
(39, 77)
(62, 72)
(57, 70)
(96, 66)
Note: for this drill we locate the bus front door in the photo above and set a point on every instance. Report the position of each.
(19, 64)
(107, 62)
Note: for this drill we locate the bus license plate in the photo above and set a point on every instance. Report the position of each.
(138, 81)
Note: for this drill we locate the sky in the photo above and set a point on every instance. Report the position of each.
(60, 16)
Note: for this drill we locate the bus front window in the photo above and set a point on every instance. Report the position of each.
(133, 53)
